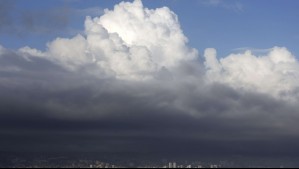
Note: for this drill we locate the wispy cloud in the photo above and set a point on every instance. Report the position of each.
(53, 20)
(253, 50)
(235, 6)
(92, 11)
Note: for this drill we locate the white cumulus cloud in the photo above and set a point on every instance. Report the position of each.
(133, 42)
(275, 73)
(129, 42)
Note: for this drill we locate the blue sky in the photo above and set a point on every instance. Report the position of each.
(222, 24)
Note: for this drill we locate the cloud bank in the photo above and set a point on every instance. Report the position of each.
(131, 82)
(132, 42)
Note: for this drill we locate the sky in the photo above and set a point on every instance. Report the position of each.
(165, 77)
(206, 23)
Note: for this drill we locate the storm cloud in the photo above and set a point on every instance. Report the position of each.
(131, 83)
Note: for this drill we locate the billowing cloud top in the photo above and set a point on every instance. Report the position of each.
(133, 73)
(130, 42)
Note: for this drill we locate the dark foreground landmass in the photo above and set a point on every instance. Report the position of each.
(109, 160)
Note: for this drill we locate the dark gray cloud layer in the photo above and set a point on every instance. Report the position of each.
(46, 108)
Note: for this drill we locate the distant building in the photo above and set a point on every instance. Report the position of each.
(214, 166)
(170, 165)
